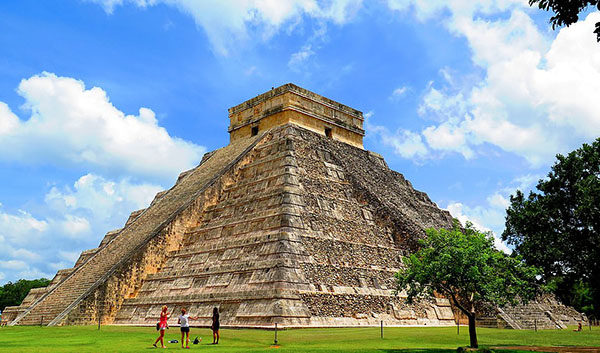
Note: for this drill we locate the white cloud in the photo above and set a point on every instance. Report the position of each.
(490, 215)
(75, 226)
(460, 9)
(78, 127)
(55, 266)
(8, 120)
(298, 58)
(439, 106)
(405, 143)
(480, 216)
(69, 256)
(21, 227)
(229, 23)
(13, 265)
(107, 200)
(448, 137)
(34, 273)
(74, 125)
(399, 92)
(252, 70)
(538, 94)
(25, 254)
(527, 182)
(498, 201)
(73, 218)
(298, 61)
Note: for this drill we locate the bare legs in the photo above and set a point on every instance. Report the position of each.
(215, 336)
(186, 336)
(161, 339)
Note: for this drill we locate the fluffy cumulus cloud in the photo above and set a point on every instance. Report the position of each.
(80, 129)
(230, 23)
(72, 218)
(535, 98)
(537, 95)
(72, 124)
(107, 201)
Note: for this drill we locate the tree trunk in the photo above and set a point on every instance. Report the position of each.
(470, 315)
(472, 331)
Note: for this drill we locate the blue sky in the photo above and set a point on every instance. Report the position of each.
(104, 102)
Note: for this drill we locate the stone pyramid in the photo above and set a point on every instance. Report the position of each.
(292, 223)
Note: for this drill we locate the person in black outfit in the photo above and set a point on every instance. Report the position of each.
(215, 325)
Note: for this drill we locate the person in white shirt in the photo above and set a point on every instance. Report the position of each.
(184, 325)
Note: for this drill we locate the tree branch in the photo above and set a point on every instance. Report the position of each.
(453, 296)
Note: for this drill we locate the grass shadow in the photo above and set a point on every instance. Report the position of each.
(418, 350)
(438, 350)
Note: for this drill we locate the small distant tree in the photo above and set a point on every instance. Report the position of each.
(463, 265)
(14, 293)
(566, 12)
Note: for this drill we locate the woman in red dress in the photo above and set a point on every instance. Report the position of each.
(162, 326)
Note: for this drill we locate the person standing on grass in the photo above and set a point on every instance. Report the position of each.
(162, 326)
(215, 325)
(184, 326)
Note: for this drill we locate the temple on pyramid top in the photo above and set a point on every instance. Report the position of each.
(292, 104)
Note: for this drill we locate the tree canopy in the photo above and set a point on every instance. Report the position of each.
(566, 12)
(558, 227)
(14, 293)
(463, 265)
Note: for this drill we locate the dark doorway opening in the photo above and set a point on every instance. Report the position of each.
(328, 132)
(254, 130)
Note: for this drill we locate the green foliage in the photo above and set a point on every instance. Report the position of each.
(582, 295)
(14, 293)
(566, 12)
(463, 265)
(558, 228)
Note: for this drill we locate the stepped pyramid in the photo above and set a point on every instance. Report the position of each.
(292, 223)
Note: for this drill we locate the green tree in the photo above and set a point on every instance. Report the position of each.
(463, 265)
(558, 227)
(566, 12)
(14, 293)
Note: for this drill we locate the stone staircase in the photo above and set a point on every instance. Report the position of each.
(532, 315)
(543, 313)
(242, 256)
(55, 305)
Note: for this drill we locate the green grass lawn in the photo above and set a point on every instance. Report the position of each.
(396, 340)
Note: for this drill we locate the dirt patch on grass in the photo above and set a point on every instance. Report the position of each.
(563, 349)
